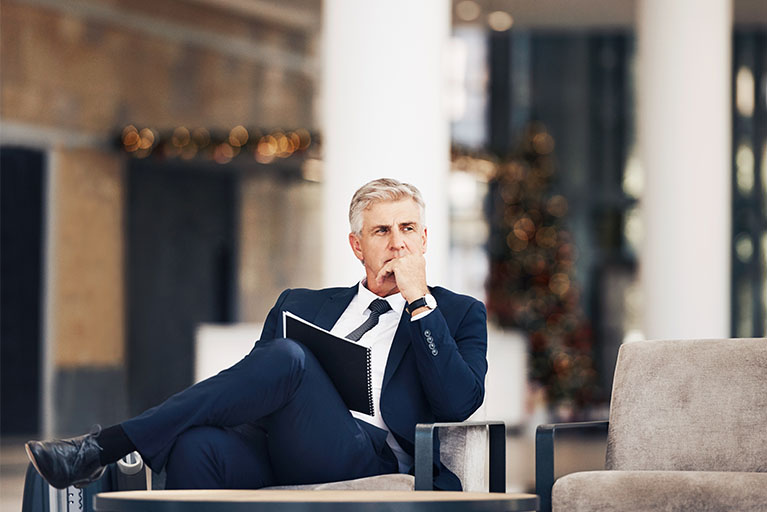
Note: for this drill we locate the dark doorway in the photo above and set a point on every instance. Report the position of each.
(22, 182)
(180, 265)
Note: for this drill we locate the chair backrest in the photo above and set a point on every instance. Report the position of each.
(693, 405)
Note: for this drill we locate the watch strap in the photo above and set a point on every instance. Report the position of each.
(418, 303)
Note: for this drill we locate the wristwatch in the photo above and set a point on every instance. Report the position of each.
(427, 300)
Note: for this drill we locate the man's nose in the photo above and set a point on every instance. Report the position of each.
(397, 241)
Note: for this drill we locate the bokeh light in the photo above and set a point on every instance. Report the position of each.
(467, 10)
(223, 153)
(744, 173)
(500, 21)
(744, 92)
(201, 137)
(147, 138)
(543, 143)
(130, 138)
(557, 206)
(238, 136)
(744, 247)
(181, 137)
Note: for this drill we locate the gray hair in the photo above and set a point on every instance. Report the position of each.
(382, 189)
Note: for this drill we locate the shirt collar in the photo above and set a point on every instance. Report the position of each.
(396, 301)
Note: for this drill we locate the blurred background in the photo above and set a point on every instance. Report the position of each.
(595, 171)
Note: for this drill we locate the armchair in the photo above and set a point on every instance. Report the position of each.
(465, 448)
(687, 431)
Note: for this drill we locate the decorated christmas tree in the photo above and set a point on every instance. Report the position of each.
(531, 285)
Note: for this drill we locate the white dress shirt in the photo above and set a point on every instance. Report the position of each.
(379, 339)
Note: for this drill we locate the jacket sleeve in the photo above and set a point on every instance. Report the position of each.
(273, 323)
(452, 368)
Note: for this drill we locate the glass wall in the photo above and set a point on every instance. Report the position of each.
(559, 109)
(749, 185)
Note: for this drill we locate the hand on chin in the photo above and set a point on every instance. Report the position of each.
(387, 286)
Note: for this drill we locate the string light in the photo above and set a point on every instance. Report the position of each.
(198, 142)
(532, 283)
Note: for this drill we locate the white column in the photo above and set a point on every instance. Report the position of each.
(384, 115)
(685, 137)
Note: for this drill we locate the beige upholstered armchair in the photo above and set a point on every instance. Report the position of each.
(474, 451)
(687, 432)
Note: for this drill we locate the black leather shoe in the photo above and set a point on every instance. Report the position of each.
(67, 462)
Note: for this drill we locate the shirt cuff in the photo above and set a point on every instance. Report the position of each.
(420, 315)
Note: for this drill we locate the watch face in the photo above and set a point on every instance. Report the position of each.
(431, 302)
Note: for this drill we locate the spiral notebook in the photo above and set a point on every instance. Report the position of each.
(346, 363)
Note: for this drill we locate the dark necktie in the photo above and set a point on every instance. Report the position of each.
(377, 308)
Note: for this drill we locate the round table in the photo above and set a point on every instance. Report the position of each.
(314, 501)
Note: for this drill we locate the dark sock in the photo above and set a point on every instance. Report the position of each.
(114, 444)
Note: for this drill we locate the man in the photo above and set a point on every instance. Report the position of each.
(275, 418)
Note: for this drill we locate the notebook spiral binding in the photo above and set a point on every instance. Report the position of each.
(371, 403)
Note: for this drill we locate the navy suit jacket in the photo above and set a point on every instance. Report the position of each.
(421, 384)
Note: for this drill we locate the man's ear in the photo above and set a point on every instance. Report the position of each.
(356, 245)
(424, 236)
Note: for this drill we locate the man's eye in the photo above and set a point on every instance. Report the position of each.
(408, 228)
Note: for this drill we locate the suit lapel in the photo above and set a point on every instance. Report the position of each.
(330, 311)
(398, 347)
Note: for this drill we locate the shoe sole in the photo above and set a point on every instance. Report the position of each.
(81, 484)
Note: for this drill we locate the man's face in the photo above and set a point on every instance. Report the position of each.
(390, 229)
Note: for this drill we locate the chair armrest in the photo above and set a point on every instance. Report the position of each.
(424, 453)
(545, 436)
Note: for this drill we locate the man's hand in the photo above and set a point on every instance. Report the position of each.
(409, 273)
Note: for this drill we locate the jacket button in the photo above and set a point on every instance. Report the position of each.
(434, 352)
(427, 333)
(429, 339)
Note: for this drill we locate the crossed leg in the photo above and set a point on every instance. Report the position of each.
(205, 433)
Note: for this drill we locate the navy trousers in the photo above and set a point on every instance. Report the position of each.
(274, 418)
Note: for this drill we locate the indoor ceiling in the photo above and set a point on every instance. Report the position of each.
(571, 14)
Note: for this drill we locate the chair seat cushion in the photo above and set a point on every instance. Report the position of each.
(633, 491)
(392, 482)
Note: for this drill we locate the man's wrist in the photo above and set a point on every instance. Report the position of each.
(413, 296)
(425, 302)
(422, 309)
